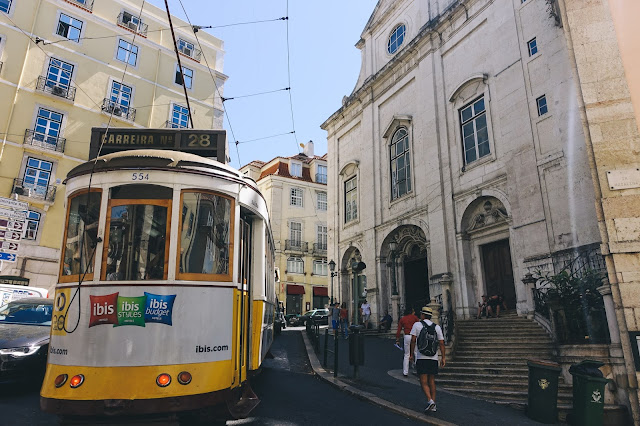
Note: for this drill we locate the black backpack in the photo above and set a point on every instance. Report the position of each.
(428, 339)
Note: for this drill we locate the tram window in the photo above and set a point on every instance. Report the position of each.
(137, 243)
(81, 236)
(134, 191)
(206, 231)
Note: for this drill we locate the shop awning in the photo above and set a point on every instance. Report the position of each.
(321, 291)
(295, 289)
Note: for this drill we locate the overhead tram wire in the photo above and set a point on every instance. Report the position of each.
(266, 137)
(256, 94)
(293, 123)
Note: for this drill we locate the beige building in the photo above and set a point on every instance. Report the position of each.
(70, 65)
(295, 189)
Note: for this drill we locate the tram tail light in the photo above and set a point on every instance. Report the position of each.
(163, 380)
(76, 381)
(184, 378)
(61, 380)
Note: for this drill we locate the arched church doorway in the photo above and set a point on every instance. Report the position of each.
(416, 279)
(498, 271)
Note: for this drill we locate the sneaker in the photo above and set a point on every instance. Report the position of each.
(433, 409)
(430, 406)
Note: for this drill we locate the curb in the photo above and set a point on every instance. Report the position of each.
(320, 372)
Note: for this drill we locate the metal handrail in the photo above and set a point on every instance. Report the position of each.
(110, 106)
(170, 125)
(319, 247)
(55, 88)
(295, 245)
(46, 193)
(195, 54)
(540, 301)
(139, 28)
(85, 4)
(31, 137)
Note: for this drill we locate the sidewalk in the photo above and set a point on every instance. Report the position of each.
(381, 382)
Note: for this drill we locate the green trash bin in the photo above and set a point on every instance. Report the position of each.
(588, 393)
(542, 403)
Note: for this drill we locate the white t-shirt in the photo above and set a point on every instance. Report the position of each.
(366, 309)
(415, 331)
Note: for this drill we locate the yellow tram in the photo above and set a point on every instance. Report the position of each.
(165, 299)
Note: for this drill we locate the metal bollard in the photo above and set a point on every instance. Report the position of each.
(326, 347)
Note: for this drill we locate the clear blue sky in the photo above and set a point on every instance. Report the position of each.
(324, 64)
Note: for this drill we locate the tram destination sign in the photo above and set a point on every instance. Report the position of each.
(206, 143)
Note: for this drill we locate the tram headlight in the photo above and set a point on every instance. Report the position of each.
(184, 378)
(76, 381)
(61, 380)
(163, 380)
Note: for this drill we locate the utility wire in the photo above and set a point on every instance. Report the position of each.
(266, 137)
(255, 94)
(293, 123)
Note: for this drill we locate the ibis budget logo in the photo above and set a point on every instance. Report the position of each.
(138, 310)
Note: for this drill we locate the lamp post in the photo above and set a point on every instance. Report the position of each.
(393, 245)
(332, 267)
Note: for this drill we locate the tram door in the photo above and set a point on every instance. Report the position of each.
(245, 299)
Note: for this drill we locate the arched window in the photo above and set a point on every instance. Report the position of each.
(396, 38)
(400, 164)
(295, 265)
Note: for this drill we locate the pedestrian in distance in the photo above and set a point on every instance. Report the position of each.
(385, 322)
(344, 320)
(405, 325)
(335, 319)
(482, 307)
(493, 309)
(427, 338)
(365, 311)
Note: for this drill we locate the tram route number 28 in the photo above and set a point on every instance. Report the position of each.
(199, 140)
(140, 176)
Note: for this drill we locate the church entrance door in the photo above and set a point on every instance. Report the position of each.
(498, 272)
(416, 283)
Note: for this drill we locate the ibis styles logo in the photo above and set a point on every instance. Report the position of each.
(120, 310)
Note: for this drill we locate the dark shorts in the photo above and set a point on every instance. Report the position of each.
(334, 324)
(427, 366)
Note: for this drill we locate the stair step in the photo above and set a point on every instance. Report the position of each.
(501, 395)
(487, 369)
(517, 384)
(500, 344)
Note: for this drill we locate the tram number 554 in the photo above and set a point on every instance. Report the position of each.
(140, 176)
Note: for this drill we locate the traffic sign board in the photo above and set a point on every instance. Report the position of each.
(14, 204)
(8, 257)
(11, 214)
(10, 235)
(9, 245)
(16, 225)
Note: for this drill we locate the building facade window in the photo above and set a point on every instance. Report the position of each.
(59, 74)
(533, 46)
(48, 126)
(130, 20)
(121, 95)
(295, 265)
(33, 225)
(400, 164)
(396, 39)
(186, 74)
(297, 197)
(321, 236)
(320, 267)
(475, 136)
(296, 169)
(321, 176)
(5, 5)
(295, 233)
(37, 175)
(186, 47)
(179, 117)
(350, 199)
(69, 27)
(541, 103)
(322, 201)
(127, 52)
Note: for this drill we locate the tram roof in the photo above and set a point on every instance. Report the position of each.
(153, 158)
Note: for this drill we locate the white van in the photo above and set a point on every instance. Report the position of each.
(10, 292)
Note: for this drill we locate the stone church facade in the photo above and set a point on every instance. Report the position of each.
(458, 163)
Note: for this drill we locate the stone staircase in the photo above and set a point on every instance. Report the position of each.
(490, 360)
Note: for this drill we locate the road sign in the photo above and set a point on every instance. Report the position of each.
(9, 245)
(15, 225)
(8, 257)
(10, 235)
(14, 204)
(11, 214)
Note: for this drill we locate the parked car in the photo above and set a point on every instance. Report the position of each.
(24, 339)
(9, 292)
(292, 319)
(321, 316)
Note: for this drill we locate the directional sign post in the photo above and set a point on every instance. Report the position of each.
(13, 204)
(12, 224)
(9, 245)
(8, 257)
(10, 235)
(13, 214)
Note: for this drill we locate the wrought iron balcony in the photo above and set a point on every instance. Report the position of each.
(29, 190)
(295, 245)
(170, 125)
(85, 4)
(321, 178)
(55, 88)
(124, 20)
(31, 137)
(194, 54)
(319, 248)
(118, 110)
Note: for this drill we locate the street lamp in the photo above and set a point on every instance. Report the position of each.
(332, 267)
(393, 245)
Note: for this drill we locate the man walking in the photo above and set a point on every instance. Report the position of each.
(365, 311)
(428, 343)
(405, 325)
(335, 318)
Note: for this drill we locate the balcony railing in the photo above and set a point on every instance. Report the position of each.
(194, 54)
(137, 27)
(319, 248)
(31, 137)
(295, 245)
(1, 63)
(111, 107)
(46, 193)
(55, 88)
(85, 4)
(170, 125)
(321, 178)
